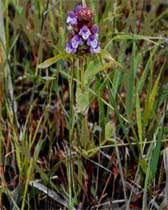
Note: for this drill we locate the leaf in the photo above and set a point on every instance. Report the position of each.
(53, 60)
(156, 155)
(94, 68)
(38, 149)
(106, 55)
(49, 192)
(150, 172)
(143, 165)
(148, 66)
(139, 119)
(109, 130)
(151, 100)
(28, 176)
(130, 85)
(82, 100)
(165, 161)
(137, 37)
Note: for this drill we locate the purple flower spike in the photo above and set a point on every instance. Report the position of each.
(69, 48)
(95, 29)
(95, 50)
(85, 32)
(78, 8)
(92, 41)
(71, 20)
(76, 41)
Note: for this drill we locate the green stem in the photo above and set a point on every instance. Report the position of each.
(84, 117)
(27, 183)
(82, 74)
(85, 131)
(69, 163)
(71, 95)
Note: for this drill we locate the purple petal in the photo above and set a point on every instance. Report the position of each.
(92, 41)
(95, 29)
(95, 50)
(71, 14)
(84, 29)
(71, 19)
(73, 50)
(78, 8)
(84, 32)
(88, 42)
(80, 42)
(76, 41)
(69, 48)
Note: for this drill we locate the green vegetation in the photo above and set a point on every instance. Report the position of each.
(84, 132)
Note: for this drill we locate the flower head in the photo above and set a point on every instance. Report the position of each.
(85, 15)
(84, 32)
(71, 19)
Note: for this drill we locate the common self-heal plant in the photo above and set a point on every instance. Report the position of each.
(83, 40)
(84, 36)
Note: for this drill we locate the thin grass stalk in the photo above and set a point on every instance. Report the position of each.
(122, 175)
(147, 177)
(165, 159)
(1, 86)
(69, 176)
(132, 188)
(27, 183)
(2, 58)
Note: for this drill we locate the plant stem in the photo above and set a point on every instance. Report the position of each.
(84, 117)
(2, 58)
(72, 102)
(70, 175)
(29, 170)
(82, 74)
